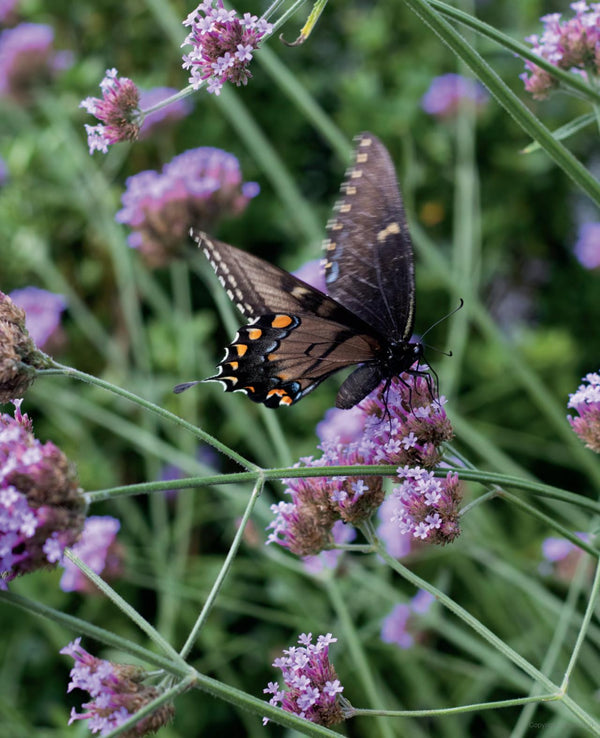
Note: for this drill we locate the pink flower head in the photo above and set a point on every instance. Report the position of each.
(572, 45)
(222, 45)
(118, 110)
(405, 423)
(562, 557)
(43, 310)
(165, 116)
(194, 190)
(42, 509)
(587, 247)
(19, 358)
(7, 10)
(117, 691)
(449, 92)
(428, 506)
(586, 401)
(397, 544)
(27, 60)
(310, 683)
(98, 548)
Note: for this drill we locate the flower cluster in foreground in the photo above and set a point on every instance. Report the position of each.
(194, 190)
(19, 358)
(118, 110)
(572, 45)
(311, 686)
(117, 692)
(402, 425)
(222, 45)
(42, 509)
(586, 401)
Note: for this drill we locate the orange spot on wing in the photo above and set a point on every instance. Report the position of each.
(254, 334)
(240, 348)
(234, 365)
(281, 321)
(287, 400)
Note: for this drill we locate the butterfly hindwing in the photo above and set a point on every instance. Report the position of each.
(278, 358)
(368, 251)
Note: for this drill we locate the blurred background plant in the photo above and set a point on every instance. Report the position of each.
(506, 230)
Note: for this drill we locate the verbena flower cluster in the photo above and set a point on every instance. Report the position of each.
(43, 311)
(117, 692)
(222, 45)
(99, 549)
(401, 626)
(572, 45)
(429, 505)
(587, 247)
(42, 509)
(311, 685)
(194, 190)
(447, 93)
(28, 60)
(19, 358)
(403, 425)
(586, 401)
(118, 110)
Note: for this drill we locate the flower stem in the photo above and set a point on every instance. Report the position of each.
(147, 405)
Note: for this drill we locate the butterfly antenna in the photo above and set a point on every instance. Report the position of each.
(441, 320)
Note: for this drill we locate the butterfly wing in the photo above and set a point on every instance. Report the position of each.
(296, 337)
(369, 266)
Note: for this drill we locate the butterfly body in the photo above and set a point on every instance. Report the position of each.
(297, 335)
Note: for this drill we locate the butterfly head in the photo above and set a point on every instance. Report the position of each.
(401, 355)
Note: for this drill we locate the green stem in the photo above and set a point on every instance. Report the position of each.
(509, 101)
(568, 78)
(156, 409)
(212, 596)
(126, 608)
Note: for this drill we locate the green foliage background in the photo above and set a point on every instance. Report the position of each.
(367, 67)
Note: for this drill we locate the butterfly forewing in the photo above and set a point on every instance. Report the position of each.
(297, 336)
(368, 252)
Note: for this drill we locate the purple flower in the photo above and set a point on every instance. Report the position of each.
(19, 357)
(118, 109)
(98, 548)
(562, 557)
(428, 509)
(587, 247)
(342, 426)
(586, 401)
(3, 172)
(401, 625)
(405, 424)
(341, 533)
(402, 424)
(42, 509)
(310, 683)
(42, 312)
(449, 92)
(222, 45)
(118, 692)
(572, 45)
(194, 190)
(165, 116)
(7, 10)
(312, 273)
(27, 60)
(397, 544)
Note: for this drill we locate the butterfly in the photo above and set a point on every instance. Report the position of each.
(297, 335)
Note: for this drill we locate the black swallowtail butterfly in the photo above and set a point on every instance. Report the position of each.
(297, 336)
